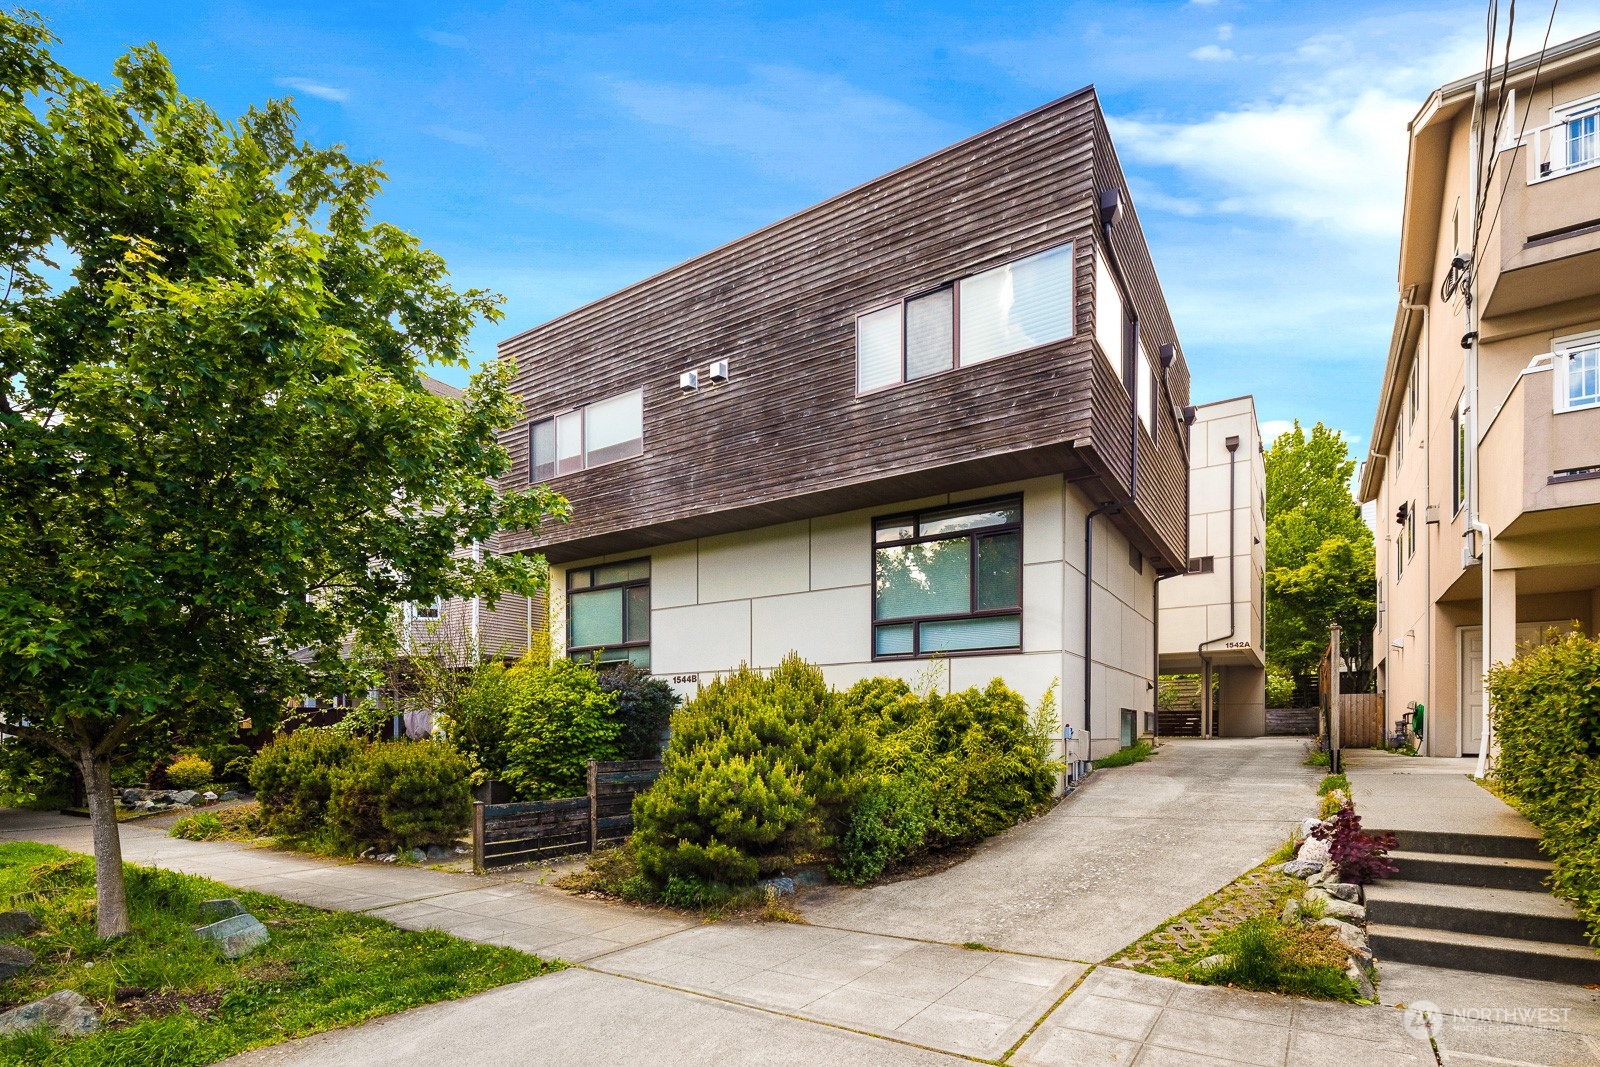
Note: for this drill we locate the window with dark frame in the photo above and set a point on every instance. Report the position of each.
(597, 433)
(608, 613)
(996, 312)
(1202, 564)
(948, 581)
(1135, 558)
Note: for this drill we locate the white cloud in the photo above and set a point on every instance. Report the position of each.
(812, 127)
(454, 136)
(1225, 32)
(1273, 427)
(1212, 53)
(316, 89)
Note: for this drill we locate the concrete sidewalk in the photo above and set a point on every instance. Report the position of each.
(1395, 792)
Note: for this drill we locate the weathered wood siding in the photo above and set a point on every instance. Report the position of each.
(788, 437)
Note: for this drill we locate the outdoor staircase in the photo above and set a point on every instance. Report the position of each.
(1477, 902)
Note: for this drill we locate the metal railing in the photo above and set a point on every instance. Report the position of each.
(1562, 148)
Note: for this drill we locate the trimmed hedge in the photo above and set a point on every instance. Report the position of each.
(1546, 711)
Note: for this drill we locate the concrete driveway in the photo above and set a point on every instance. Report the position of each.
(1135, 846)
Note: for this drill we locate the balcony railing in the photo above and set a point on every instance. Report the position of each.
(1573, 144)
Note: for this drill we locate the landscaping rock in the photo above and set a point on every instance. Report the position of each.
(1291, 912)
(14, 960)
(438, 854)
(1354, 939)
(1313, 851)
(208, 796)
(236, 935)
(416, 855)
(65, 1012)
(187, 796)
(778, 887)
(18, 922)
(810, 878)
(1358, 975)
(1343, 909)
(133, 796)
(1344, 891)
(1300, 868)
(1211, 963)
(229, 795)
(387, 857)
(222, 908)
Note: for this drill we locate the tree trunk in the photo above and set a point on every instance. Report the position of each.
(111, 895)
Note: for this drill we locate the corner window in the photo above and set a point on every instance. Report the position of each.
(608, 613)
(601, 432)
(984, 316)
(1576, 363)
(948, 580)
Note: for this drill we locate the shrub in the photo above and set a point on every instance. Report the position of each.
(644, 709)
(888, 823)
(1280, 688)
(1547, 720)
(1362, 857)
(1137, 752)
(189, 772)
(559, 720)
(1260, 953)
(401, 795)
(230, 761)
(293, 778)
(479, 725)
(761, 768)
(242, 823)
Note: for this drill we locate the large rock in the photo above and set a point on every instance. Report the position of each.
(778, 887)
(1300, 868)
(14, 960)
(236, 936)
(1313, 851)
(229, 795)
(1343, 909)
(186, 796)
(1344, 891)
(18, 922)
(1352, 937)
(1358, 974)
(65, 1012)
(1211, 963)
(1291, 912)
(222, 908)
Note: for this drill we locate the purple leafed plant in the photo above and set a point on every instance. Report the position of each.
(1363, 858)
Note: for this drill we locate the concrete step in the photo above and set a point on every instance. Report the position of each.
(1465, 909)
(1489, 872)
(1540, 960)
(1453, 844)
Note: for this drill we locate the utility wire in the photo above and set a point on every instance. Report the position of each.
(1517, 147)
(1491, 138)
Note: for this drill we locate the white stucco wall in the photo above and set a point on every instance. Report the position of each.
(806, 586)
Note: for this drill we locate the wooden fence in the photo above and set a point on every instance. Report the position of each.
(506, 834)
(1361, 720)
(1292, 722)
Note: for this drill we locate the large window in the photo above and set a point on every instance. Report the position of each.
(597, 433)
(1110, 317)
(608, 613)
(948, 581)
(1576, 363)
(1006, 309)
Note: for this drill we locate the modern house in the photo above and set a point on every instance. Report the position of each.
(929, 428)
(1485, 462)
(1211, 618)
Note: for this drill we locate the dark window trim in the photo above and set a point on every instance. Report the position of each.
(916, 621)
(574, 651)
(954, 285)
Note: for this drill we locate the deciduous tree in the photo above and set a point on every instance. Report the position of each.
(217, 457)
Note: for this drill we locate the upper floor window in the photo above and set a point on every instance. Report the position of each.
(1147, 393)
(1110, 317)
(1006, 309)
(608, 613)
(1416, 389)
(596, 433)
(1581, 142)
(424, 610)
(1570, 142)
(1458, 458)
(1576, 363)
(948, 580)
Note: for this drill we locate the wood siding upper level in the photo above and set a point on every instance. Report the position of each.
(788, 437)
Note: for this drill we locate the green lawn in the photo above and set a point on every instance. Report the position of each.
(182, 1003)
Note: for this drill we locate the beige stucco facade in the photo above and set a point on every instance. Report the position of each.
(1484, 466)
(807, 587)
(1211, 617)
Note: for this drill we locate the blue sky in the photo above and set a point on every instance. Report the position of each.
(556, 152)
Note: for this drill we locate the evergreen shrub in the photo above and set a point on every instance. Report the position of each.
(398, 795)
(1546, 717)
(189, 772)
(644, 710)
(558, 719)
(293, 779)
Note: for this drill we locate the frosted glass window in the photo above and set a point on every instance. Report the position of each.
(614, 429)
(1110, 321)
(1147, 393)
(569, 442)
(930, 334)
(968, 635)
(895, 640)
(1016, 306)
(542, 450)
(596, 617)
(878, 349)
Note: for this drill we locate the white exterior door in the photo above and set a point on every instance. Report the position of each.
(1472, 675)
(1471, 689)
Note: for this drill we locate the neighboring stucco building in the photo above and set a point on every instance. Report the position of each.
(895, 433)
(1485, 462)
(1211, 616)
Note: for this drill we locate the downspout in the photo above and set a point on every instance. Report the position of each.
(1233, 511)
(1109, 206)
(1469, 341)
(1427, 502)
